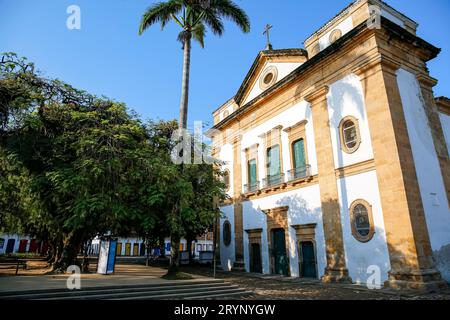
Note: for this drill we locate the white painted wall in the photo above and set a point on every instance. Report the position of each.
(346, 98)
(431, 184)
(284, 68)
(300, 111)
(17, 239)
(226, 155)
(345, 26)
(445, 123)
(304, 208)
(360, 256)
(227, 254)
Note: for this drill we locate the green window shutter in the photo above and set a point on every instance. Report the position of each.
(252, 172)
(274, 163)
(299, 154)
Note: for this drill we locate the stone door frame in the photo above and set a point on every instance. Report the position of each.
(305, 233)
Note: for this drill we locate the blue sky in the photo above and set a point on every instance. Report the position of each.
(107, 57)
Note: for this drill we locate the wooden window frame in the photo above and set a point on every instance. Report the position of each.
(250, 154)
(355, 232)
(271, 139)
(342, 136)
(295, 133)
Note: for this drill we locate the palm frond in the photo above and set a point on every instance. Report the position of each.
(228, 9)
(160, 12)
(198, 34)
(211, 19)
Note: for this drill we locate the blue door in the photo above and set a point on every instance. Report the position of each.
(279, 253)
(308, 260)
(10, 246)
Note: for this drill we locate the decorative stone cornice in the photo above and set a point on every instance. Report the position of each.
(304, 226)
(426, 80)
(275, 210)
(317, 94)
(253, 231)
(443, 104)
(265, 134)
(252, 147)
(298, 124)
(237, 138)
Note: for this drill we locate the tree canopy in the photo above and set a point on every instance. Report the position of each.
(73, 166)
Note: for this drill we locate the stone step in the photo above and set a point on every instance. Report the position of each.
(208, 289)
(143, 293)
(86, 290)
(209, 294)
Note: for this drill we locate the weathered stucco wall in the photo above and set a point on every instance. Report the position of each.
(360, 256)
(428, 171)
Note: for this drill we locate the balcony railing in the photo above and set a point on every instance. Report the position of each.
(299, 173)
(249, 188)
(273, 180)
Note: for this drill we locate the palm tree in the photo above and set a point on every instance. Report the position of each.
(193, 16)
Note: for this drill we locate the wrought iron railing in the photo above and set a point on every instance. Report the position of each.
(299, 173)
(273, 180)
(253, 187)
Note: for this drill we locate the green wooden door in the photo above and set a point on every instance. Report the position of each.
(279, 253)
(255, 256)
(308, 258)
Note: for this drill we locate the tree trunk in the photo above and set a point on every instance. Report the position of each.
(67, 253)
(175, 253)
(185, 84)
(189, 240)
(162, 247)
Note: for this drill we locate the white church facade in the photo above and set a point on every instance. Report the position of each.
(337, 157)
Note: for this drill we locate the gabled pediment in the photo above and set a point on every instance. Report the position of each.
(270, 66)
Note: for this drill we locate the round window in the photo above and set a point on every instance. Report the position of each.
(349, 133)
(335, 35)
(227, 233)
(315, 50)
(362, 221)
(225, 114)
(268, 78)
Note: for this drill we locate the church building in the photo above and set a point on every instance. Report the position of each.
(337, 157)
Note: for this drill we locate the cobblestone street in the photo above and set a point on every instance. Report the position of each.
(280, 288)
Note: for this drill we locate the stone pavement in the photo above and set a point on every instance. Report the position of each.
(124, 275)
(274, 287)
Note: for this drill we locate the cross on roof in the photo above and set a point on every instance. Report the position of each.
(267, 33)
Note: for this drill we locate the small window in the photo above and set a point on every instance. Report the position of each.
(362, 221)
(349, 134)
(315, 50)
(335, 35)
(226, 179)
(225, 114)
(268, 78)
(227, 233)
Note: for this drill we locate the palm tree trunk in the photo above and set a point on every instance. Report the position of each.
(185, 84)
(175, 238)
